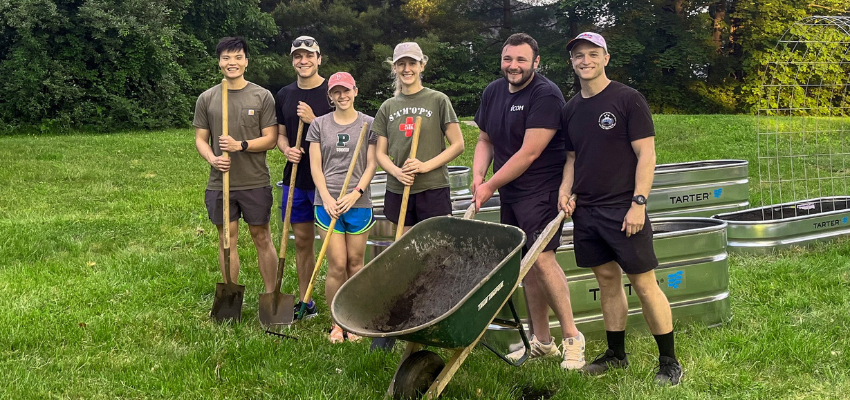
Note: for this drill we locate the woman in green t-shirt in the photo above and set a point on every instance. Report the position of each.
(333, 139)
(427, 174)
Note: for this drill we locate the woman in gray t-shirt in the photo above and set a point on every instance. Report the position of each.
(333, 139)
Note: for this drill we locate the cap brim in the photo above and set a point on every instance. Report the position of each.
(345, 85)
(302, 47)
(574, 42)
(415, 57)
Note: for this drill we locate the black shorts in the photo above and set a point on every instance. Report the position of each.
(597, 239)
(420, 206)
(532, 214)
(253, 205)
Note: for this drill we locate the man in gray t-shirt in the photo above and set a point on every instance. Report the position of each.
(252, 129)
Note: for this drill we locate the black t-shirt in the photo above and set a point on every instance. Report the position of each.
(601, 129)
(286, 105)
(506, 116)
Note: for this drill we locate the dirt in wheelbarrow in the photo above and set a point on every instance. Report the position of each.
(446, 277)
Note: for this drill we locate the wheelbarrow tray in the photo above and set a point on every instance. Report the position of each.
(439, 285)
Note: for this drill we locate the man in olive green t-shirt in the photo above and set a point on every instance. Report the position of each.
(253, 131)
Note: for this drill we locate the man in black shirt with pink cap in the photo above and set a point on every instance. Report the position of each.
(610, 142)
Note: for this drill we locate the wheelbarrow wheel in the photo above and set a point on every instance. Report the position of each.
(416, 374)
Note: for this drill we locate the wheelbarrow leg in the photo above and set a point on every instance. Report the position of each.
(408, 350)
(449, 371)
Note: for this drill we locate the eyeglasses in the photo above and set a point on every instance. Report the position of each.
(306, 42)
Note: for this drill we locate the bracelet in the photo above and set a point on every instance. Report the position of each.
(359, 190)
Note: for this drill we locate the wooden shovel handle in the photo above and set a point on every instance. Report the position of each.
(225, 183)
(287, 214)
(330, 233)
(406, 194)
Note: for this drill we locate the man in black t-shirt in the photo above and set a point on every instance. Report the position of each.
(519, 118)
(610, 142)
(303, 100)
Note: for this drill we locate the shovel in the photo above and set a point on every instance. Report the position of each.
(276, 307)
(406, 195)
(227, 304)
(333, 222)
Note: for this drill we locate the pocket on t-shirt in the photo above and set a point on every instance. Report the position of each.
(249, 118)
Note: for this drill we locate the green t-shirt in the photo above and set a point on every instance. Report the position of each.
(395, 121)
(250, 110)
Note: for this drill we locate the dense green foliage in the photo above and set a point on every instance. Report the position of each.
(141, 64)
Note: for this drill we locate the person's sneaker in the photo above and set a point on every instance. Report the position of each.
(573, 351)
(538, 350)
(669, 371)
(604, 362)
(310, 312)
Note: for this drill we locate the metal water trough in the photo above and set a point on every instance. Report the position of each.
(699, 188)
(693, 272)
(764, 229)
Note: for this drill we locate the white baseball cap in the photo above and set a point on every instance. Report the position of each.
(591, 37)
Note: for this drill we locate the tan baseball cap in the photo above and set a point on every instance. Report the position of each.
(305, 43)
(408, 49)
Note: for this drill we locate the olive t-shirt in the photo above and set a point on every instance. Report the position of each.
(249, 110)
(338, 143)
(395, 120)
(286, 107)
(601, 129)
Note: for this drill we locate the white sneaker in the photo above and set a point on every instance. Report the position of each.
(573, 350)
(538, 350)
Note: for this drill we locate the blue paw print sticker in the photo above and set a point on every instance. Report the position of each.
(675, 279)
(718, 192)
(844, 220)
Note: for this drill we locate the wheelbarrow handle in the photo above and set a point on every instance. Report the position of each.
(470, 212)
(542, 240)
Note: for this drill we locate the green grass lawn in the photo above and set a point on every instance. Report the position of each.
(108, 268)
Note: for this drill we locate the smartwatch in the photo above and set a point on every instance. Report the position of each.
(244, 145)
(359, 190)
(639, 200)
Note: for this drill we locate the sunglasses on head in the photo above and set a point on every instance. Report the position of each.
(306, 42)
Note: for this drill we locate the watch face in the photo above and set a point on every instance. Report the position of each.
(639, 199)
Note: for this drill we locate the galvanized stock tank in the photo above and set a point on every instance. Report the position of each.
(693, 272)
(699, 188)
(799, 223)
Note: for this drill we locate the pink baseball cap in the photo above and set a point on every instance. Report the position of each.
(341, 79)
(591, 37)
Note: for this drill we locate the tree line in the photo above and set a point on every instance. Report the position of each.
(129, 64)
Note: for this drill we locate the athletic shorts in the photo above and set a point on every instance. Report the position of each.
(353, 222)
(302, 205)
(252, 205)
(532, 215)
(598, 239)
(420, 206)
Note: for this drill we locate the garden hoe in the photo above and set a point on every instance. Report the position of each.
(276, 307)
(363, 132)
(227, 304)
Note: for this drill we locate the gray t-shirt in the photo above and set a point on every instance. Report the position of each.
(338, 143)
(250, 110)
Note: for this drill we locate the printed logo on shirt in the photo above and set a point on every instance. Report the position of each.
(250, 112)
(407, 127)
(342, 139)
(411, 110)
(607, 120)
(517, 108)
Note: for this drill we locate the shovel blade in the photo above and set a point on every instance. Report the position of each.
(227, 304)
(276, 309)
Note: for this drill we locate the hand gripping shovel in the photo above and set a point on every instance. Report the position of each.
(333, 222)
(276, 307)
(227, 304)
(406, 195)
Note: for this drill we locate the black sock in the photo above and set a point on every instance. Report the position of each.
(665, 345)
(617, 343)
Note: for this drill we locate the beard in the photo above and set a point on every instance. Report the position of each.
(524, 77)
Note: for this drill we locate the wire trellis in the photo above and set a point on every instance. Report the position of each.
(803, 121)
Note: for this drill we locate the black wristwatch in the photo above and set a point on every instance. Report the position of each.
(244, 145)
(639, 200)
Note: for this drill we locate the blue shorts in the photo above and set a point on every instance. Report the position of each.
(302, 205)
(354, 222)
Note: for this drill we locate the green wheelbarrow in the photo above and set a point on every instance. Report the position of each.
(442, 284)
